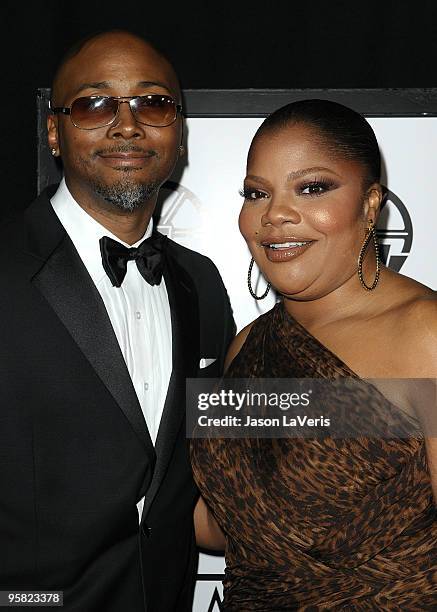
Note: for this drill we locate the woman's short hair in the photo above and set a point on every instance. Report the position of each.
(342, 130)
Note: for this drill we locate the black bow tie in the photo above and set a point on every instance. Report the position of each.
(148, 256)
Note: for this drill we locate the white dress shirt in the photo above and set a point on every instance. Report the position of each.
(139, 313)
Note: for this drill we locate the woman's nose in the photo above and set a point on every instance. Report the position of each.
(280, 211)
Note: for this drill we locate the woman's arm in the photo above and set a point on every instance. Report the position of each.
(208, 533)
(422, 364)
(236, 344)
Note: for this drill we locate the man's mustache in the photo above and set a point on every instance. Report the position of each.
(127, 148)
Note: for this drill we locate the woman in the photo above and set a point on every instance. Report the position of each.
(326, 524)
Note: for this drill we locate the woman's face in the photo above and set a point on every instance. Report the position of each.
(304, 213)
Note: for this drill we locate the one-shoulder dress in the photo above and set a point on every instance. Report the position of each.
(318, 523)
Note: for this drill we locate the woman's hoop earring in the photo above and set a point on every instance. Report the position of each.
(370, 234)
(249, 284)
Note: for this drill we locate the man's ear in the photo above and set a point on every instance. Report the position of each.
(182, 147)
(52, 134)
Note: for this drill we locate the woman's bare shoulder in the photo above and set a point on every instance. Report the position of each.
(417, 330)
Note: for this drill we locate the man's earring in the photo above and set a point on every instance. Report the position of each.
(54, 151)
(181, 150)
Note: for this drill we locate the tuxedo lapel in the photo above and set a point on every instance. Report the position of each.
(185, 350)
(66, 285)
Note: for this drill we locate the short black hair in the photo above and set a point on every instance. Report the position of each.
(77, 47)
(344, 131)
(71, 52)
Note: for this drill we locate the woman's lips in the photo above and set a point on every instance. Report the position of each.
(285, 251)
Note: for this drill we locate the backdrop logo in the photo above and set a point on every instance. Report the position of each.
(395, 231)
(179, 213)
(215, 605)
(207, 597)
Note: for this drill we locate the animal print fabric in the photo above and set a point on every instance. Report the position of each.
(318, 524)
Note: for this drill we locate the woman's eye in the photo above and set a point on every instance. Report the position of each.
(315, 188)
(252, 194)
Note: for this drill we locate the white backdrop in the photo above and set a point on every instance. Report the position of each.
(202, 210)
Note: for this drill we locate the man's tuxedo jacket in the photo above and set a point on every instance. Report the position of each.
(75, 452)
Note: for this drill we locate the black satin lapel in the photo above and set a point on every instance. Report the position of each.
(70, 291)
(183, 300)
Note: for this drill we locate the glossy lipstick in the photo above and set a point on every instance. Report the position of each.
(286, 250)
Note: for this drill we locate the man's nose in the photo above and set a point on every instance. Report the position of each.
(125, 125)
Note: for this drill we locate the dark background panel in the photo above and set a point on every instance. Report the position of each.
(198, 103)
(289, 45)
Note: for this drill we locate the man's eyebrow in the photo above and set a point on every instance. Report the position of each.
(153, 83)
(96, 85)
(107, 85)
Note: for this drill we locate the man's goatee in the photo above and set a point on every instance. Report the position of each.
(125, 195)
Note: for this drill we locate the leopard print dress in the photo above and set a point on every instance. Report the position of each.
(318, 524)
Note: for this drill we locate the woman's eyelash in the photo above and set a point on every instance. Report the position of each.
(247, 193)
(316, 187)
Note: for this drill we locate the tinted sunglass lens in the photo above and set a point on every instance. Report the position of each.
(93, 112)
(154, 110)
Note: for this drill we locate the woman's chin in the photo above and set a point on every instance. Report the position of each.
(295, 290)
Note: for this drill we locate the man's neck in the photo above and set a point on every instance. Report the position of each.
(128, 226)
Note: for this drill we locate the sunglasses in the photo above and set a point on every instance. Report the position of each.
(92, 112)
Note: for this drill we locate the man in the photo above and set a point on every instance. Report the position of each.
(99, 331)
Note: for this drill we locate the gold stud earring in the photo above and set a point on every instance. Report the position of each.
(370, 235)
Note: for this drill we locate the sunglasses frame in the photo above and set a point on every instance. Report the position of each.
(66, 110)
